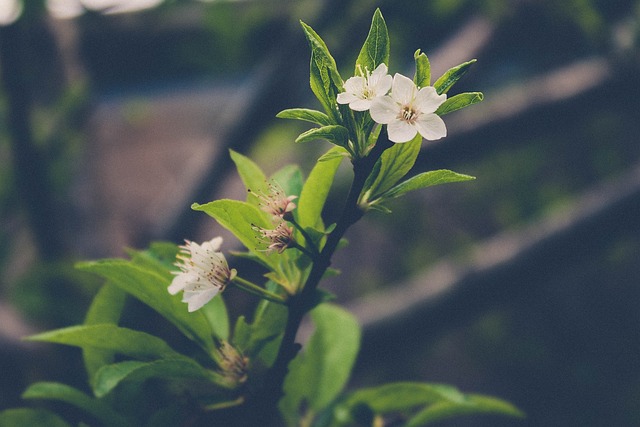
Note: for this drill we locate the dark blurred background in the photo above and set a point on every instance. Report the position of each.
(117, 115)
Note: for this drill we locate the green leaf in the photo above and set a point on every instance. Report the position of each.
(159, 258)
(448, 79)
(151, 289)
(106, 307)
(422, 78)
(394, 163)
(216, 313)
(106, 336)
(108, 377)
(237, 217)
(290, 179)
(335, 134)
(319, 373)
(23, 417)
(325, 78)
(268, 325)
(402, 396)
(375, 50)
(423, 180)
(473, 404)
(339, 152)
(68, 394)
(251, 174)
(306, 115)
(459, 101)
(316, 189)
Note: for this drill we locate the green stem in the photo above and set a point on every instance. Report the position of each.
(252, 288)
(300, 304)
(313, 252)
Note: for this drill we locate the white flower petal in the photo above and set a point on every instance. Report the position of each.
(382, 85)
(213, 244)
(431, 127)
(196, 300)
(179, 282)
(355, 85)
(403, 90)
(346, 98)
(401, 131)
(428, 100)
(360, 104)
(383, 110)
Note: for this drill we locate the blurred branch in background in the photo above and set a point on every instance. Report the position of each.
(451, 291)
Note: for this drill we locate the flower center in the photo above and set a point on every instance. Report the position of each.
(408, 114)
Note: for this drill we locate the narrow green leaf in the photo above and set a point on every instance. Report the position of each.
(319, 373)
(473, 404)
(422, 78)
(23, 417)
(108, 377)
(151, 289)
(315, 191)
(424, 180)
(335, 134)
(70, 395)
(448, 79)
(106, 307)
(128, 342)
(251, 174)
(324, 79)
(237, 217)
(306, 115)
(375, 50)
(459, 101)
(394, 163)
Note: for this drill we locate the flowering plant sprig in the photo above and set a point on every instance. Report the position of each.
(253, 372)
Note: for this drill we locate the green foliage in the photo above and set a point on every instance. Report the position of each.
(448, 79)
(258, 339)
(305, 114)
(151, 288)
(325, 79)
(94, 407)
(459, 101)
(419, 403)
(424, 180)
(109, 376)
(320, 372)
(422, 77)
(394, 163)
(225, 366)
(21, 417)
(375, 50)
(335, 134)
(110, 337)
(106, 307)
(316, 189)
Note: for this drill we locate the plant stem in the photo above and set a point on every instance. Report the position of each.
(257, 290)
(300, 304)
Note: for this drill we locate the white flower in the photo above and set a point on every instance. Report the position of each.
(203, 273)
(409, 110)
(360, 91)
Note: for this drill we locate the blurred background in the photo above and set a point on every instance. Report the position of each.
(525, 284)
